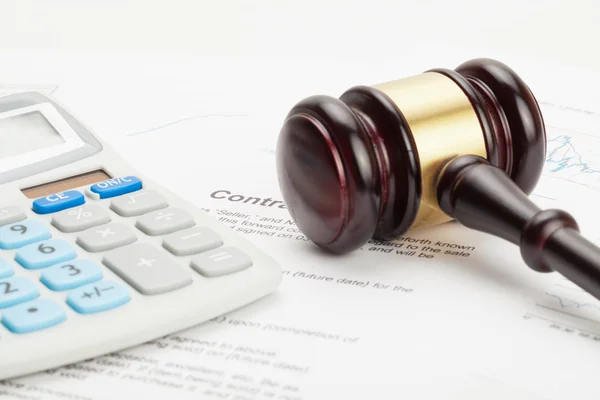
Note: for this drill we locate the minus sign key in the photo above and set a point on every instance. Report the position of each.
(192, 241)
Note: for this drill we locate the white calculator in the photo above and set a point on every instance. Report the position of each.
(94, 256)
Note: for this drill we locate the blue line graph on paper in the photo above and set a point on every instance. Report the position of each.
(565, 307)
(573, 304)
(565, 302)
(566, 156)
(573, 157)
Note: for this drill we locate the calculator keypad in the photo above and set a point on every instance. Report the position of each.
(106, 237)
(97, 297)
(11, 214)
(138, 203)
(33, 316)
(146, 268)
(80, 218)
(165, 221)
(17, 290)
(45, 254)
(23, 233)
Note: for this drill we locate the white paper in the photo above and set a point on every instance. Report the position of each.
(467, 321)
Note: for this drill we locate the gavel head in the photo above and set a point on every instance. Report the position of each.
(364, 165)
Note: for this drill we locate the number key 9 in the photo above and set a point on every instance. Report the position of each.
(22, 233)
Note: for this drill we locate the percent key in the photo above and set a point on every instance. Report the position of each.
(80, 218)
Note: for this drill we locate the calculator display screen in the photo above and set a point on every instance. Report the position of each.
(62, 185)
(26, 132)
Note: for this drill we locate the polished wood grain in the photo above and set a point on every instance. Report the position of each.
(397, 164)
(481, 196)
(519, 112)
(327, 171)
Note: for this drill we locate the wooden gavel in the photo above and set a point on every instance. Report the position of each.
(467, 144)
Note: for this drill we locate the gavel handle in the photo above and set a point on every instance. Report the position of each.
(482, 197)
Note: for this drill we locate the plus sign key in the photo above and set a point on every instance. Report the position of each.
(106, 237)
(147, 268)
(97, 297)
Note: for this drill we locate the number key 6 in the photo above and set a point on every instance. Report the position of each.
(45, 254)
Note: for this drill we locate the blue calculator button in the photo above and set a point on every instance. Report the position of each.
(70, 275)
(6, 269)
(23, 233)
(116, 186)
(58, 202)
(96, 297)
(45, 254)
(33, 316)
(16, 290)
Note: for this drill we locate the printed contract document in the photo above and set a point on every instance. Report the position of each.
(441, 313)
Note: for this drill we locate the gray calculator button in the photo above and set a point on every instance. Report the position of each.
(192, 241)
(147, 268)
(138, 203)
(221, 261)
(106, 237)
(165, 221)
(80, 218)
(11, 214)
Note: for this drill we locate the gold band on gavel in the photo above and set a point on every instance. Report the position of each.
(443, 124)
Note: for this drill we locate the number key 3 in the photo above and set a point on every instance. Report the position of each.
(22, 233)
(71, 274)
(45, 254)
